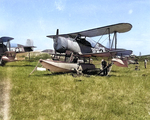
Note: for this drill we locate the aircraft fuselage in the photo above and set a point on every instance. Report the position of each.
(62, 44)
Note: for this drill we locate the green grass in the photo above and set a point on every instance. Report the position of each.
(43, 96)
(2, 76)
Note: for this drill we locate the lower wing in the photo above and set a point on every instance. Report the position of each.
(111, 53)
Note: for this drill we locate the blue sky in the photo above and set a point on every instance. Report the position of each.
(35, 19)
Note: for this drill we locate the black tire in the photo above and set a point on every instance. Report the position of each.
(2, 63)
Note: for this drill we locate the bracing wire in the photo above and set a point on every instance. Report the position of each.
(100, 38)
(105, 40)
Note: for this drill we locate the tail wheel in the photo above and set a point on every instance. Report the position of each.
(2, 63)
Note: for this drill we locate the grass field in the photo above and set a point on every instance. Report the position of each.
(123, 95)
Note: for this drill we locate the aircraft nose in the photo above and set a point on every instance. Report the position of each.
(60, 45)
(55, 43)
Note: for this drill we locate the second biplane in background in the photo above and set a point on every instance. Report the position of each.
(7, 53)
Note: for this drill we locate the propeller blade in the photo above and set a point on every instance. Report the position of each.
(57, 32)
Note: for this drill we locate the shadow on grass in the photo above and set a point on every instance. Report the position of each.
(111, 75)
(70, 73)
(78, 80)
(113, 71)
(19, 66)
(48, 74)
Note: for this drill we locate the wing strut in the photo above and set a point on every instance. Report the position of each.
(114, 39)
(109, 37)
(115, 34)
(8, 45)
(3, 47)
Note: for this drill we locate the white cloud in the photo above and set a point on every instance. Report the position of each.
(130, 11)
(60, 5)
(42, 24)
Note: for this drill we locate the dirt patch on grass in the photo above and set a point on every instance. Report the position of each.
(4, 99)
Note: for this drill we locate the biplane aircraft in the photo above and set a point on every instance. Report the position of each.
(7, 54)
(81, 45)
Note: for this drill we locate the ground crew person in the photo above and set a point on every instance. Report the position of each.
(145, 63)
(104, 67)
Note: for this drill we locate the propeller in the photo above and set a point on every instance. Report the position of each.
(56, 40)
(56, 37)
(57, 32)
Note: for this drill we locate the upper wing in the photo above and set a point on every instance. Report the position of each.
(5, 39)
(121, 27)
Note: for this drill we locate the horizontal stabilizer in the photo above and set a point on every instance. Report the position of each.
(23, 48)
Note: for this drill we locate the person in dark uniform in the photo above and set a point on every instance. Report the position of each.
(104, 66)
(75, 60)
